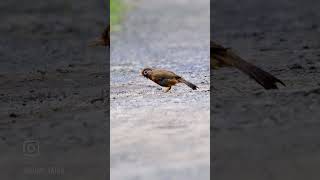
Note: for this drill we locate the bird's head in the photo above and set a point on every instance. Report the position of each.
(146, 72)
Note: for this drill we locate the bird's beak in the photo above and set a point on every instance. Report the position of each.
(143, 75)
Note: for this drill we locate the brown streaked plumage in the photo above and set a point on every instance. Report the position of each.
(165, 78)
(104, 39)
(221, 57)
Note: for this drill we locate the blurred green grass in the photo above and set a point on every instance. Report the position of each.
(117, 9)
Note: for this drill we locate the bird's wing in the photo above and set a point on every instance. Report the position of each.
(160, 73)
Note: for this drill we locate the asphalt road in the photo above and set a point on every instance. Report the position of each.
(258, 134)
(157, 135)
(54, 92)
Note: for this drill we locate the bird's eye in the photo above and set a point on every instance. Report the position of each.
(145, 72)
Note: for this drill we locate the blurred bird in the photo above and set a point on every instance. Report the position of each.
(104, 39)
(225, 57)
(165, 78)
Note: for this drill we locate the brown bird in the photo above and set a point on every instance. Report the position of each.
(104, 39)
(221, 57)
(165, 78)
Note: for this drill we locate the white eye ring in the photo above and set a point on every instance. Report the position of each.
(145, 72)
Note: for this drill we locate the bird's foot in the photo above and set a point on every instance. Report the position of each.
(167, 90)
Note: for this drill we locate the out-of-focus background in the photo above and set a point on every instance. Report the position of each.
(258, 134)
(157, 135)
(53, 95)
(118, 10)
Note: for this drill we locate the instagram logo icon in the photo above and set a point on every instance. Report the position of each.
(31, 148)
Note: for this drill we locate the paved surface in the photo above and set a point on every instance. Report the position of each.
(53, 90)
(157, 135)
(260, 134)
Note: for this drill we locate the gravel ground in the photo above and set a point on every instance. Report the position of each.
(260, 134)
(157, 135)
(53, 90)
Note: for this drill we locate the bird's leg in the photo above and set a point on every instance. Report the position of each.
(168, 89)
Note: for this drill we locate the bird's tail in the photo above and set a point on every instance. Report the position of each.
(227, 57)
(192, 86)
(262, 77)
